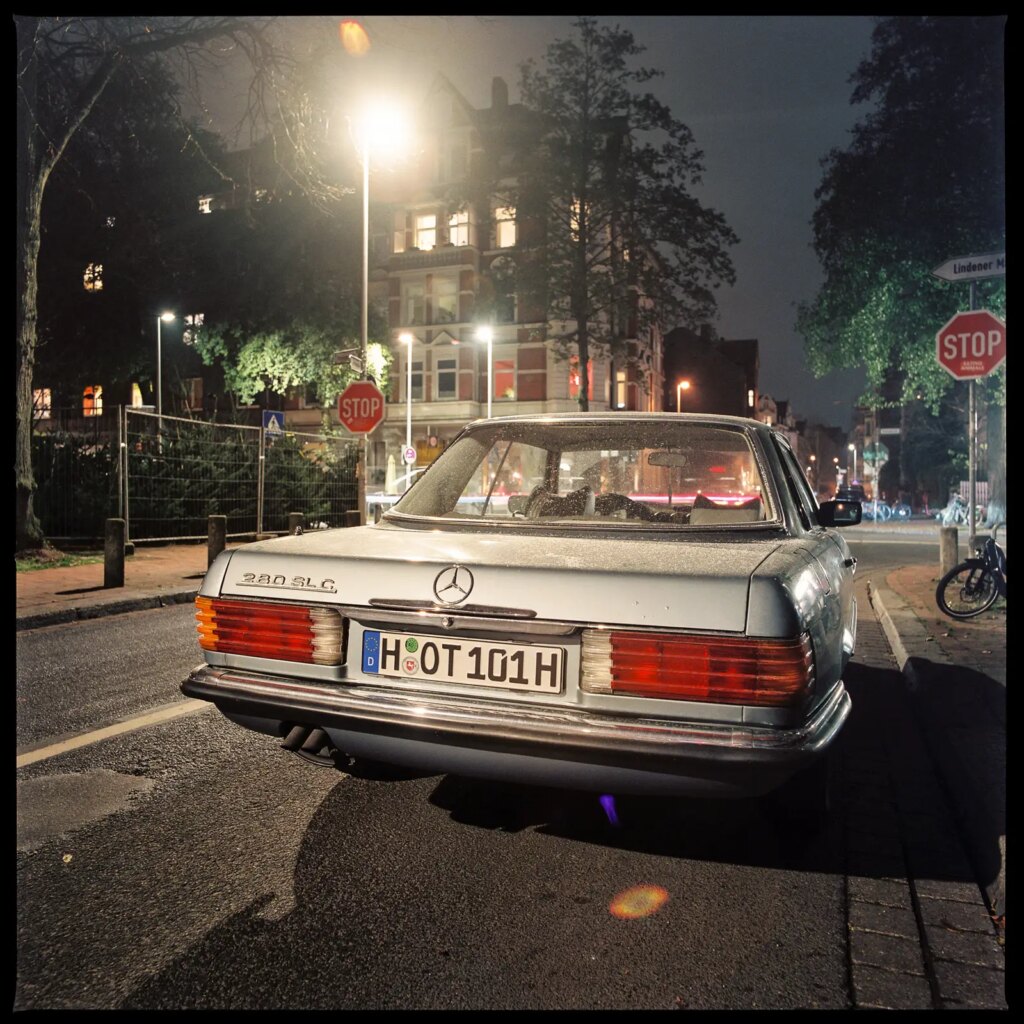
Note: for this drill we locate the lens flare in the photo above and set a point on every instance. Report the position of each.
(639, 901)
(608, 803)
(354, 38)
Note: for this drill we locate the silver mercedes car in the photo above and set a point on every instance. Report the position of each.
(628, 603)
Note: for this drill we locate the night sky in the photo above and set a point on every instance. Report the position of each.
(766, 97)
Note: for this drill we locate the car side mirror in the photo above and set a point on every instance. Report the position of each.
(839, 513)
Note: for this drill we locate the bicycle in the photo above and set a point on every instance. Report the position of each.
(971, 587)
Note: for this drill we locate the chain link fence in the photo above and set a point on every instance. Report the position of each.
(165, 475)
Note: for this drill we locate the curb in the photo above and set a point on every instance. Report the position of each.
(133, 604)
(977, 823)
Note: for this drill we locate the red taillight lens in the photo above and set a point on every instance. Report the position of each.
(718, 670)
(284, 631)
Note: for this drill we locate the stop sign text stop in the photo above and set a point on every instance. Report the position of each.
(361, 407)
(971, 344)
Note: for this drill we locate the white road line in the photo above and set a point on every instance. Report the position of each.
(164, 714)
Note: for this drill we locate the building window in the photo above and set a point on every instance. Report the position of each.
(194, 392)
(92, 279)
(416, 392)
(426, 230)
(504, 378)
(42, 403)
(620, 389)
(574, 377)
(447, 378)
(750, 398)
(204, 204)
(503, 280)
(446, 300)
(92, 401)
(399, 231)
(193, 321)
(136, 396)
(505, 226)
(458, 228)
(412, 302)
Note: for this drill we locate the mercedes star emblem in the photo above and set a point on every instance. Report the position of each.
(453, 585)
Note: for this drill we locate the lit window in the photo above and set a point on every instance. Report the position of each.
(399, 231)
(426, 230)
(93, 277)
(194, 392)
(574, 377)
(42, 403)
(574, 220)
(92, 401)
(204, 204)
(446, 300)
(111, 221)
(505, 226)
(504, 378)
(447, 378)
(458, 228)
(412, 302)
(750, 397)
(620, 389)
(193, 321)
(136, 396)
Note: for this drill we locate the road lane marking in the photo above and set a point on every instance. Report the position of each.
(164, 714)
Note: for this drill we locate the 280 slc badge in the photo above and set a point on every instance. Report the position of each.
(280, 582)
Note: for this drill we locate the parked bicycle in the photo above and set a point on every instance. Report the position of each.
(971, 587)
(879, 511)
(957, 512)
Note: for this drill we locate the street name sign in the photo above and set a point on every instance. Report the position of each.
(971, 345)
(361, 407)
(972, 268)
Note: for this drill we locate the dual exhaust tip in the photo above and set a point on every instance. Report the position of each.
(311, 744)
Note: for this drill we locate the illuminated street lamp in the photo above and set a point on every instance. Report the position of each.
(407, 339)
(385, 129)
(853, 449)
(166, 318)
(487, 335)
(683, 385)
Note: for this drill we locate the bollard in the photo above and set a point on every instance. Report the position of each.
(352, 517)
(216, 534)
(294, 521)
(949, 549)
(113, 554)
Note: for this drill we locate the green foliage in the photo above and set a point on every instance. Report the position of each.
(76, 488)
(921, 182)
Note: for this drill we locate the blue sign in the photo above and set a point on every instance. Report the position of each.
(273, 424)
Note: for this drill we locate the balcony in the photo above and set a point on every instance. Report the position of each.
(440, 256)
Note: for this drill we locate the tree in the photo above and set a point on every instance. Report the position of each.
(922, 180)
(64, 67)
(624, 244)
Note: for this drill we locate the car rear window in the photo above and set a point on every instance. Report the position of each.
(632, 473)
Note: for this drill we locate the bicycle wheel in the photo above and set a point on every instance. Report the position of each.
(901, 510)
(883, 513)
(968, 589)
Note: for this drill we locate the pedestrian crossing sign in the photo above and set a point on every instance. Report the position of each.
(273, 424)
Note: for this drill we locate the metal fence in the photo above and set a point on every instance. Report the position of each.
(166, 482)
(177, 472)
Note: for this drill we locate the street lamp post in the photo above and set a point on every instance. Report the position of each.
(853, 451)
(487, 335)
(407, 339)
(683, 385)
(166, 318)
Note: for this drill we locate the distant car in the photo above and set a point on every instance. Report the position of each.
(635, 603)
(851, 492)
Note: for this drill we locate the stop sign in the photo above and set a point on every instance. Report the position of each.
(361, 407)
(971, 344)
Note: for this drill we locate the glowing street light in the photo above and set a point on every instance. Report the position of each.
(683, 385)
(487, 335)
(407, 339)
(853, 449)
(166, 318)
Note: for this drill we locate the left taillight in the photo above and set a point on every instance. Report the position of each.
(287, 632)
(713, 669)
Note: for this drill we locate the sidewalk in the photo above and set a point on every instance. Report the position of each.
(954, 671)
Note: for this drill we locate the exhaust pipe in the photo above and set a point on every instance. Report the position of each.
(315, 741)
(296, 737)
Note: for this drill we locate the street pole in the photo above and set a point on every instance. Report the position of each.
(971, 439)
(159, 381)
(364, 315)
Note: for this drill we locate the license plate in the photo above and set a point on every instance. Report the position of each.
(460, 660)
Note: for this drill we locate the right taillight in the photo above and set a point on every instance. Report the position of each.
(718, 670)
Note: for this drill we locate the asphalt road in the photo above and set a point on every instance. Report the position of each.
(192, 864)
